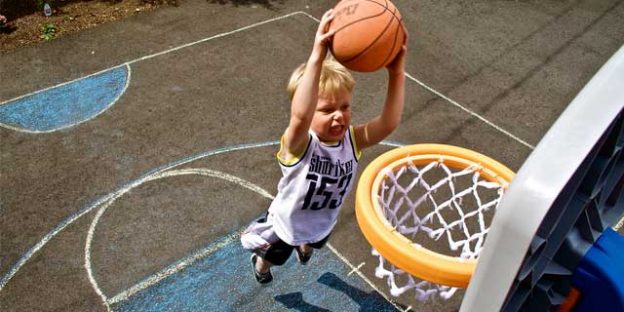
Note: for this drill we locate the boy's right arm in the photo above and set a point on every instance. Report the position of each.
(306, 95)
(380, 127)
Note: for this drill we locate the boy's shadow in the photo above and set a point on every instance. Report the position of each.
(295, 301)
(368, 302)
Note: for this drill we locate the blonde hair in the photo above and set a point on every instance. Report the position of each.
(334, 78)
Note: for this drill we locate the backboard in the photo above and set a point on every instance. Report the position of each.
(564, 196)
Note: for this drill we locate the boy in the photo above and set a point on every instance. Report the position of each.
(318, 156)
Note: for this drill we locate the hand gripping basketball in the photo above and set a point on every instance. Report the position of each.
(323, 35)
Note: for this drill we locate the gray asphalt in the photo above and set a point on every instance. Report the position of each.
(516, 64)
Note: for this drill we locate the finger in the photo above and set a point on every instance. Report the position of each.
(328, 23)
(325, 32)
(329, 33)
(403, 50)
(327, 36)
(327, 15)
(325, 24)
(406, 37)
(400, 57)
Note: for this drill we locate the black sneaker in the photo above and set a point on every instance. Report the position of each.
(302, 257)
(262, 278)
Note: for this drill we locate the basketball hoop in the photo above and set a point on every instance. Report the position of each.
(427, 192)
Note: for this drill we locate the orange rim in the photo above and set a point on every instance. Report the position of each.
(392, 245)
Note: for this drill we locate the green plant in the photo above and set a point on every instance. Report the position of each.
(48, 31)
(40, 4)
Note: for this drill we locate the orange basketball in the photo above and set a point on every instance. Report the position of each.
(368, 34)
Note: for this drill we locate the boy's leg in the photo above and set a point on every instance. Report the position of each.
(262, 265)
(276, 254)
(261, 277)
(263, 259)
(304, 252)
(305, 248)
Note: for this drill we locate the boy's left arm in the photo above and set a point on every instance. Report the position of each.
(380, 127)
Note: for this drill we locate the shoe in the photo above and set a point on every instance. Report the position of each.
(302, 257)
(262, 278)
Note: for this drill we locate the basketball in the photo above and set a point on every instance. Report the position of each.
(368, 34)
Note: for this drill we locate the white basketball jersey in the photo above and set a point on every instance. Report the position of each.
(312, 190)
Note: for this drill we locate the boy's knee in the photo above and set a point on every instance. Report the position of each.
(273, 258)
(278, 261)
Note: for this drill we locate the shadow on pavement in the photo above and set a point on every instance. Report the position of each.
(368, 302)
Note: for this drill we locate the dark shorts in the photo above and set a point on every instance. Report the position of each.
(280, 251)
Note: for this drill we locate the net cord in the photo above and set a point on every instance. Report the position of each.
(406, 256)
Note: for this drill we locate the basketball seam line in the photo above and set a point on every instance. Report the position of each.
(394, 42)
(362, 19)
(376, 39)
(385, 8)
(395, 37)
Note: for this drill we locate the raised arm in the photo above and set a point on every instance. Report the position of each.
(381, 126)
(306, 95)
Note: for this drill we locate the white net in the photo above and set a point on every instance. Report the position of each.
(440, 208)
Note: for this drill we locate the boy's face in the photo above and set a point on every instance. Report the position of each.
(332, 116)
